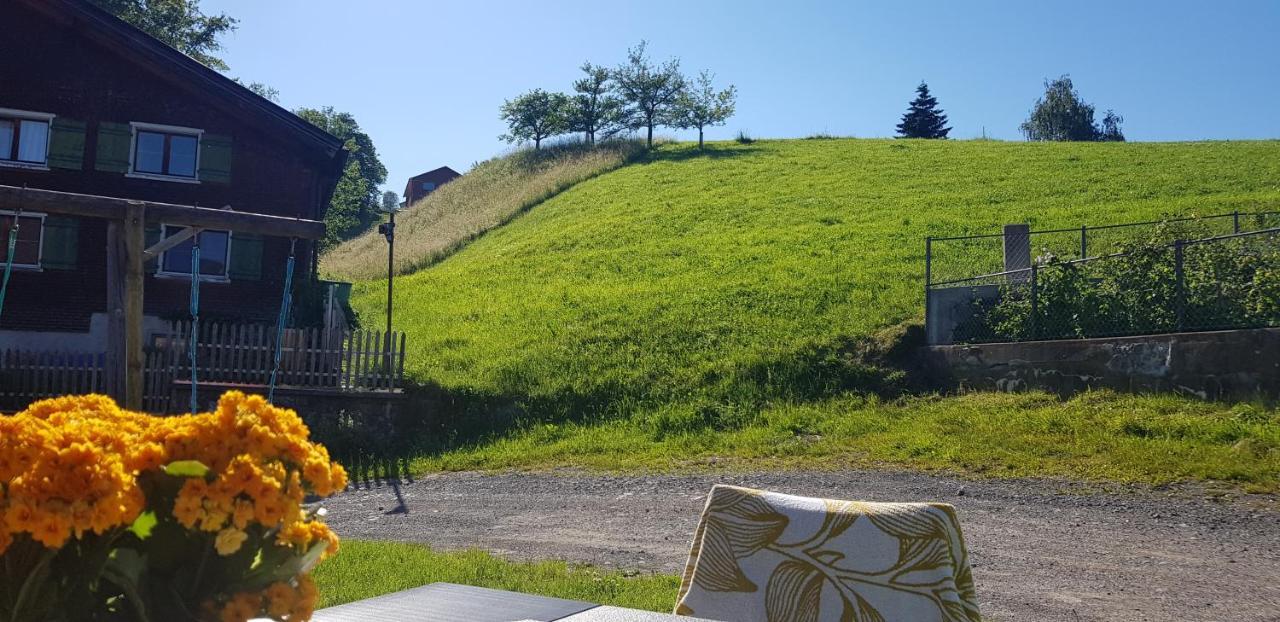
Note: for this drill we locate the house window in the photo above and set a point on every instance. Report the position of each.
(26, 253)
(24, 137)
(428, 186)
(215, 254)
(165, 151)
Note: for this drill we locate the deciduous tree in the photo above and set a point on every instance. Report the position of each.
(648, 91)
(1111, 127)
(1061, 114)
(923, 118)
(593, 109)
(700, 106)
(179, 23)
(390, 201)
(356, 200)
(535, 116)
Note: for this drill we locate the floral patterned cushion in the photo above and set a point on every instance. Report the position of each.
(768, 557)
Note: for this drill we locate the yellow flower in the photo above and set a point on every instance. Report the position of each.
(229, 541)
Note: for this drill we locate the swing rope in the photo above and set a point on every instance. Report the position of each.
(13, 245)
(286, 305)
(195, 321)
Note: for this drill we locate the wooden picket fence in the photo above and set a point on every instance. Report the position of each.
(27, 376)
(347, 361)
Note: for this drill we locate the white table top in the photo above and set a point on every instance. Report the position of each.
(444, 602)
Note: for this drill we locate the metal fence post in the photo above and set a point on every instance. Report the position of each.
(1235, 219)
(1180, 301)
(1084, 242)
(1035, 305)
(928, 277)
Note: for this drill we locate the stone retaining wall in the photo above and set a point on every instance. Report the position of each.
(1232, 364)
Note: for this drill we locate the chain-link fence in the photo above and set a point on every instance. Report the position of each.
(956, 260)
(1191, 284)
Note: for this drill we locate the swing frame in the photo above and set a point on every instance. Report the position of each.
(127, 253)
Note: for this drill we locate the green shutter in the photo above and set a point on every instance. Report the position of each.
(246, 257)
(66, 144)
(61, 242)
(215, 158)
(114, 141)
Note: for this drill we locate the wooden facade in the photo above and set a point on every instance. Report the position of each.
(143, 150)
(101, 80)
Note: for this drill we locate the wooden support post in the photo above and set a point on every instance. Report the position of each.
(115, 363)
(135, 244)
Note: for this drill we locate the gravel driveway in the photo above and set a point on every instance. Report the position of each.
(1041, 549)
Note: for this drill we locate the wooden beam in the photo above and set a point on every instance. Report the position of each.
(170, 242)
(115, 371)
(134, 244)
(112, 208)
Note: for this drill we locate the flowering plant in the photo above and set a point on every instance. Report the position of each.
(107, 514)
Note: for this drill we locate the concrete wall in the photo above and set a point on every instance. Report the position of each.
(949, 307)
(1231, 364)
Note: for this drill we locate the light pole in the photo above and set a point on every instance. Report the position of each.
(388, 229)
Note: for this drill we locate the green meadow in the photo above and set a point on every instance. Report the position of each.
(703, 292)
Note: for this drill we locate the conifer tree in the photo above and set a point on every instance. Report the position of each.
(923, 119)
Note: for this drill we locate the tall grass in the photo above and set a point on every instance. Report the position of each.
(489, 195)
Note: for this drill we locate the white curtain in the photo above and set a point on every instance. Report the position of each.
(33, 139)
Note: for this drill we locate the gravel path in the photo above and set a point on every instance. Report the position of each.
(1041, 549)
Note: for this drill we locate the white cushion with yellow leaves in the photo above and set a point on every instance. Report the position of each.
(767, 557)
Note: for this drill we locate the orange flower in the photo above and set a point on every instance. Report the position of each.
(79, 464)
(242, 607)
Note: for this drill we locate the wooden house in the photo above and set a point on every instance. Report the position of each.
(420, 186)
(94, 108)
(92, 105)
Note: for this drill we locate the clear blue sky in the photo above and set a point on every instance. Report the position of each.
(425, 79)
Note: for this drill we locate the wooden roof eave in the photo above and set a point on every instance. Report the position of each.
(113, 208)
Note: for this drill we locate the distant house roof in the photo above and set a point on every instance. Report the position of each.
(413, 190)
(156, 56)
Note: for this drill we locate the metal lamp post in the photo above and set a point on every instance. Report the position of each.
(388, 229)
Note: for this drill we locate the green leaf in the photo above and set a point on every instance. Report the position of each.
(143, 525)
(125, 569)
(186, 468)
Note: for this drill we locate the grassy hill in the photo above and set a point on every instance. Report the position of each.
(490, 194)
(689, 290)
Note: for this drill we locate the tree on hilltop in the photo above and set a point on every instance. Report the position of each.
(923, 118)
(593, 108)
(1061, 114)
(648, 91)
(535, 116)
(700, 106)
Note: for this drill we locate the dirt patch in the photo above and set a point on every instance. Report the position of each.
(1041, 549)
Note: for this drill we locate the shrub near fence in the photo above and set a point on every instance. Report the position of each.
(1215, 283)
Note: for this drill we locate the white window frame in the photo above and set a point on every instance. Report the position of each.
(30, 115)
(38, 266)
(137, 126)
(186, 274)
